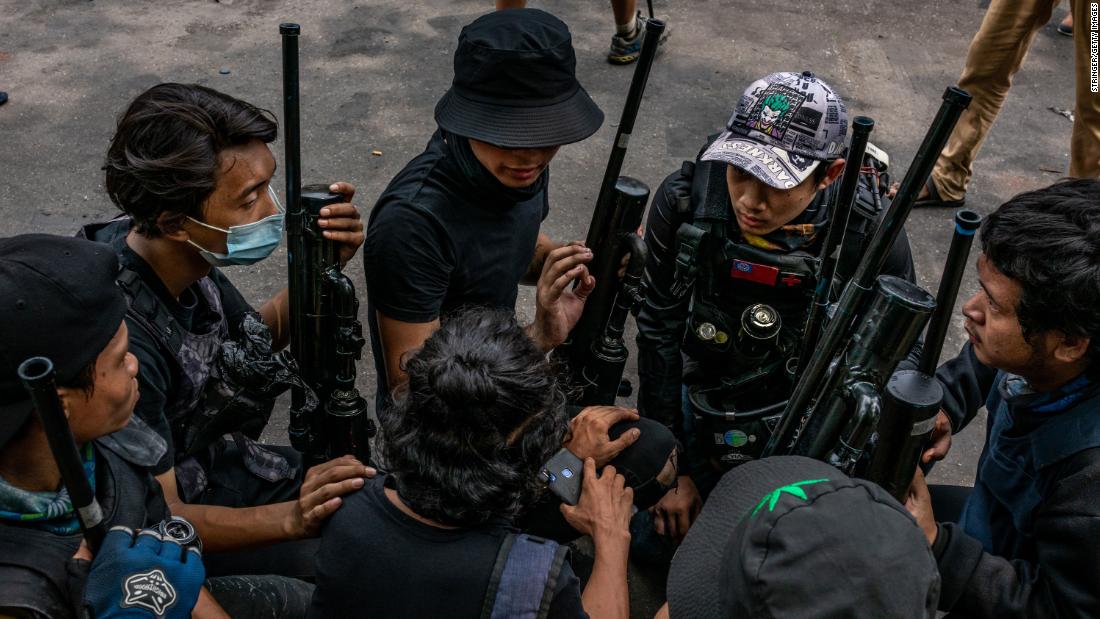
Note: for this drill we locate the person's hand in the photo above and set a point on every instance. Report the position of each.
(677, 509)
(141, 576)
(604, 508)
(589, 433)
(320, 494)
(625, 262)
(341, 223)
(919, 504)
(558, 304)
(940, 442)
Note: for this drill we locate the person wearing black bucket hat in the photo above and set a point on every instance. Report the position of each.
(734, 239)
(789, 536)
(459, 225)
(58, 300)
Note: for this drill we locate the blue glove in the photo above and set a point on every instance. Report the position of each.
(142, 576)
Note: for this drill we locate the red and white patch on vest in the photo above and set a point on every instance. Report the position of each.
(753, 272)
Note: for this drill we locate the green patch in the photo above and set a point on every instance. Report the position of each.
(771, 498)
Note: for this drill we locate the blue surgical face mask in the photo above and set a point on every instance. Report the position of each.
(247, 244)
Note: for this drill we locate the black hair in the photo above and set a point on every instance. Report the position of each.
(821, 170)
(84, 380)
(163, 157)
(1048, 241)
(480, 414)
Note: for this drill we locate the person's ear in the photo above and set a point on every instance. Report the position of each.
(1071, 348)
(171, 226)
(833, 172)
(65, 394)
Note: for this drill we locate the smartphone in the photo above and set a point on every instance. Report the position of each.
(563, 473)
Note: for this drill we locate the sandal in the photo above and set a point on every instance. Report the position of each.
(934, 200)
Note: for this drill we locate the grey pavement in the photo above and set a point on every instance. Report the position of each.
(372, 72)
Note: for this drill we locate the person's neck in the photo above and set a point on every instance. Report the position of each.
(176, 266)
(27, 463)
(394, 498)
(1052, 378)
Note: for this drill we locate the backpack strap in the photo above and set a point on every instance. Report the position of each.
(524, 578)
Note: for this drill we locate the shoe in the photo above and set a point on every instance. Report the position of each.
(934, 200)
(626, 49)
(1066, 26)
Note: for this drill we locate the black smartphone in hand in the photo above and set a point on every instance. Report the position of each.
(563, 473)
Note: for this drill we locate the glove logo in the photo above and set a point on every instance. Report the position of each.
(149, 590)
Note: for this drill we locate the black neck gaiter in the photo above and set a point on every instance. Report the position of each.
(482, 181)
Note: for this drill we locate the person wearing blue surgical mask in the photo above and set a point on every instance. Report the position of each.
(191, 170)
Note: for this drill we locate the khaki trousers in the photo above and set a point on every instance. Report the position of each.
(996, 53)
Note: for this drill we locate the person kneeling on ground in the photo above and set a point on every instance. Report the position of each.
(1025, 540)
(467, 437)
(789, 536)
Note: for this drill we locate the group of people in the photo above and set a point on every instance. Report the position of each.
(168, 375)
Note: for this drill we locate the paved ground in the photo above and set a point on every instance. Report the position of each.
(373, 71)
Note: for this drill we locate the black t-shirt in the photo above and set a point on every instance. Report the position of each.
(445, 234)
(377, 561)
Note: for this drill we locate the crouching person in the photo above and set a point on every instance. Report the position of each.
(466, 440)
(58, 300)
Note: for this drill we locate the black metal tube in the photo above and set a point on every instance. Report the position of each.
(854, 298)
(597, 362)
(830, 251)
(602, 229)
(302, 435)
(37, 375)
(911, 401)
(966, 224)
(885, 333)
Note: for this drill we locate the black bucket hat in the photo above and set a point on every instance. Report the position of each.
(58, 299)
(793, 537)
(515, 83)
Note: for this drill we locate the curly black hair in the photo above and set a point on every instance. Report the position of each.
(163, 157)
(480, 414)
(1048, 241)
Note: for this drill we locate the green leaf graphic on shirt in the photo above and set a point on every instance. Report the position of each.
(795, 489)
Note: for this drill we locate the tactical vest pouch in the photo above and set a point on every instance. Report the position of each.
(735, 279)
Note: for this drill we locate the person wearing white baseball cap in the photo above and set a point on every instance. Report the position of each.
(734, 240)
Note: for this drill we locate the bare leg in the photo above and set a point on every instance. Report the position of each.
(624, 11)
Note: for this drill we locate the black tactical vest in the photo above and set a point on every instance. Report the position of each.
(731, 276)
(748, 309)
(227, 376)
(33, 563)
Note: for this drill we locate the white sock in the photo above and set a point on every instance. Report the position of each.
(626, 29)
